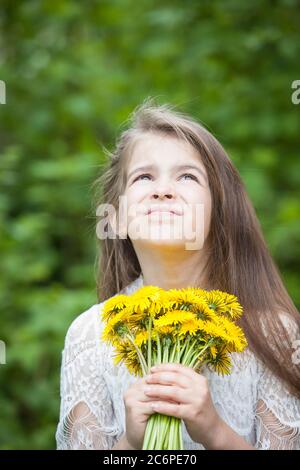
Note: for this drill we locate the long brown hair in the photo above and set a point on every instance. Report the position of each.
(239, 260)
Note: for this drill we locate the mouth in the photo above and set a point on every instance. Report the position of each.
(163, 211)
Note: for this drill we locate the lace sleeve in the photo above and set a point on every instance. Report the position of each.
(277, 416)
(277, 412)
(86, 413)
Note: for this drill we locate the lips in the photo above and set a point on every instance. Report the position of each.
(169, 209)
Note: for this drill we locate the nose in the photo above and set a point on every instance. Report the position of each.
(163, 190)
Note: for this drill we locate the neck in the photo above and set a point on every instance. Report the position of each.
(172, 268)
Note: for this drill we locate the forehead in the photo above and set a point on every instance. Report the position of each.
(156, 148)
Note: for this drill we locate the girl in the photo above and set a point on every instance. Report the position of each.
(166, 166)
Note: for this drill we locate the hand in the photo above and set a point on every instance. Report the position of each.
(190, 391)
(138, 409)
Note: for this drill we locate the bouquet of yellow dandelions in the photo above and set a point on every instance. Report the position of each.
(190, 326)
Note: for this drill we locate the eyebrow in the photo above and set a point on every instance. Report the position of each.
(177, 167)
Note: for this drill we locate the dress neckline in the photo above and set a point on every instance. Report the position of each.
(133, 285)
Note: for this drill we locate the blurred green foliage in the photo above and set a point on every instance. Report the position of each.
(73, 72)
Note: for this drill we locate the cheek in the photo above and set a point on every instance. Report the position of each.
(133, 208)
(135, 194)
(199, 214)
(207, 211)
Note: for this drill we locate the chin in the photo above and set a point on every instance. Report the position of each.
(165, 242)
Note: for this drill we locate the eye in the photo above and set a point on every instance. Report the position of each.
(192, 176)
(140, 176)
(149, 176)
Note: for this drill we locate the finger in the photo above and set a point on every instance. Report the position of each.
(174, 367)
(143, 408)
(169, 378)
(149, 399)
(169, 393)
(169, 409)
(141, 395)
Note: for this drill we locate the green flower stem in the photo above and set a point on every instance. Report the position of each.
(163, 433)
(158, 349)
(140, 355)
(154, 357)
(158, 434)
(184, 349)
(153, 438)
(149, 343)
(200, 364)
(178, 349)
(175, 428)
(166, 354)
(175, 434)
(195, 358)
(173, 351)
(148, 432)
(164, 429)
(188, 353)
(170, 435)
(160, 429)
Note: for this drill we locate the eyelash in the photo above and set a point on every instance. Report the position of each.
(185, 174)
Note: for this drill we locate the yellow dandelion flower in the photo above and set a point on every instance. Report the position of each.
(110, 329)
(152, 293)
(177, 297)
(221, 363)
(135, 369)
(124, 350)
(118, 317)
(173, 317)
(201, 324)
(141, 338)
(197, 291)
(235, 334)
(189, 327)
(114, 305)
(146, 301)
(215, 300)
(234, 309)
(214, 330)
(213, 351)
(139, 304)
(135, 318)
(202, 310)
(223, 303)
(163, 330)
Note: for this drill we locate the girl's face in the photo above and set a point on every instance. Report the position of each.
(166, 175)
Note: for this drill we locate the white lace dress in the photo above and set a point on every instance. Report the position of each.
(92, 414)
